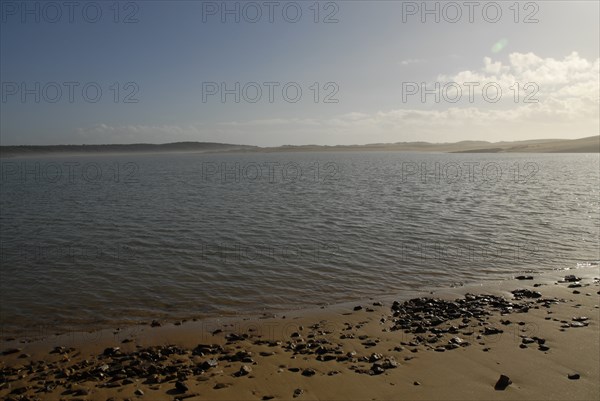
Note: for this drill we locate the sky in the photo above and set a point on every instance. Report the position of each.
(272, 73)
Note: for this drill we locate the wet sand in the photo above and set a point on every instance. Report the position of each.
(447, 345)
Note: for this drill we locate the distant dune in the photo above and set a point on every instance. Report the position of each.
(582, 145)
(8, 151)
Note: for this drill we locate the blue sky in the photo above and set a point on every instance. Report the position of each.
(365, 61)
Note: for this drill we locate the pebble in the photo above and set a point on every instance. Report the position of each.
(11, 351)
(524, 277)
(573, 376)
(139, 392)
(358, 307)
(502, 383)
(181, 387)
(526, 294)
(308, 372)
(298, 392)
(244, 370)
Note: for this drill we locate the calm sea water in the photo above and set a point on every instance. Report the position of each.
(99, 241)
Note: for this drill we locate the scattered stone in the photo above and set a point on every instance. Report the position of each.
(524, 277)
(524, 293)
(155, 323)
(139, 392)
(416, 383)
(11, 351)
(219, 386)
(502, 383)
(376, 370)
(298, 392)
(573, 376)
(358, 307)
(308, 372)
(112, 351)
(571, 278)
(244, 370)
(181, 387)
(490, 330)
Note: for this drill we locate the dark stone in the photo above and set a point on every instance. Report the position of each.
(357, 308)
(524, 277)
(308, 372)
(489, 330)
(181, 387)
(298, 392)
(502, 383)
(210, 363)
(524, 293)
(244, 370)
(376, 370)
(155, 323)
(11, 351)
(573, 376)
(111, 351)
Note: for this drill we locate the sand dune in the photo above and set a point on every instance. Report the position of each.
(582, 145)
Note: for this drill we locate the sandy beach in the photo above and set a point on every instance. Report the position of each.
(540, 332)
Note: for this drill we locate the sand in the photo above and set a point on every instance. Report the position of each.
(465, 373)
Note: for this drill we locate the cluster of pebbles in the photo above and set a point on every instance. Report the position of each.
(426, 323)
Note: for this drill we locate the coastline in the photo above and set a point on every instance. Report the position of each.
(86, 365)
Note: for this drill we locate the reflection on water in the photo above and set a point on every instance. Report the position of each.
(101, 240)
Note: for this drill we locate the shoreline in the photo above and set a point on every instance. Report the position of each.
(311, 350)
(456, 288)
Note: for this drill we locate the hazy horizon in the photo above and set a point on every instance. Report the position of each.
(300, 145)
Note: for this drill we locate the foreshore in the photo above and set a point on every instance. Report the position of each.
(447, 344)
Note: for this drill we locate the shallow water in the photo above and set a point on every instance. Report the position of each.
(98, 241)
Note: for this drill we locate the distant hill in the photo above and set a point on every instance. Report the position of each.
(7, 151)
(583, 145)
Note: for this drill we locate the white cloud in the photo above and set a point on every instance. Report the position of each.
(569, 97)
(411, 61)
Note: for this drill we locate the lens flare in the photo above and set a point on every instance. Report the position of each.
(501, 44)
